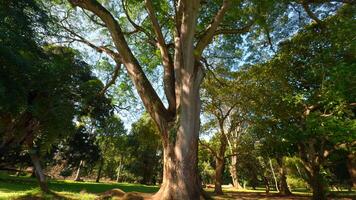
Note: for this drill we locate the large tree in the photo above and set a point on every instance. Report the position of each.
(306, 97)
(220, 97)
(179, 32)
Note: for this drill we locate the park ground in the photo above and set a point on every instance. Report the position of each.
(25, 188)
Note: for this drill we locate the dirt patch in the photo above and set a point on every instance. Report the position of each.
(118, 194)
(113, 193)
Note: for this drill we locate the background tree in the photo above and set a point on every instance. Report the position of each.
(38, 109)
(145, 151)
(220, 99)
(313, 108)
(111, 140)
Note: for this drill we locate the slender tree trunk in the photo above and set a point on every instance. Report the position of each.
(219, 169)
(283, 186)
(233, 172)
(351, 166)
(119, 170)
(100, 169)
(265, 181)
(274, 175)
(41, 178)
(77, 176)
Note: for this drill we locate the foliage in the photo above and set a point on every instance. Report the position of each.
(145, 151)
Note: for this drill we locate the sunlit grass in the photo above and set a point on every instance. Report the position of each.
(12, 187)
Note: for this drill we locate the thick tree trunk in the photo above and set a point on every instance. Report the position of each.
(233, 172)
(316, 182)
(100, 169)
(219, 169)
(351, 166)
(180, 175)
(319, 191)
(312, 161)
(283, 186)
(41, 178)
(180, 150)
(77, 176)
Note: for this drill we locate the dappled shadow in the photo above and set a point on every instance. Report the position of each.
(42, 196)
(91, 187)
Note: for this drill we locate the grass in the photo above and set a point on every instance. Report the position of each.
(17, 187)
(21, 188)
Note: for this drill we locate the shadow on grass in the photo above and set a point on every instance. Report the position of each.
(92, 187)
(27, 188)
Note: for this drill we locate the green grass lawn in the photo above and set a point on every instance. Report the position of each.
(16, 187)
(12, 187)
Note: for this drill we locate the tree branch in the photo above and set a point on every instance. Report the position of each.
(210, 31)
(209, 148)
(136, 26)
(168, 80)
(310, 13)
(241, 30)
(150, 98)
(112, 80)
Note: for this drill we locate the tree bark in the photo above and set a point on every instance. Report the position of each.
(317, 184)
(351, 166)
(265, 181)
(219, 169)
(274, 175)
(233, 172)
(77, 176)
(220, 161)
(312, 161)
(100, 169)
(180, 174)
(119, 170)
(283, 186)
(41, 178)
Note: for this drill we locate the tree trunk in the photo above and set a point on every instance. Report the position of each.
(100, 169)
(119, 170)
(283, 186)
(41, 178)
(274, 175)
(351, 166)
(180, 147)
(312, 162)
(219, 169)
(319, 192)
(180, 174)
(233, 172)
(77, 176)
(265, 181)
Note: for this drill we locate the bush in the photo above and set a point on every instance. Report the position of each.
(295, 182)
